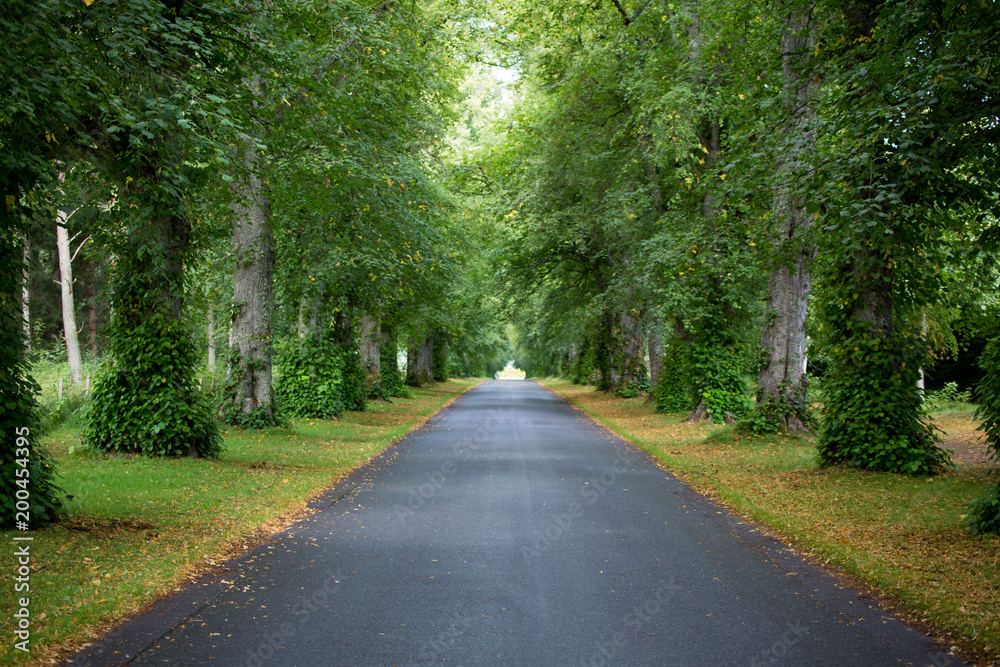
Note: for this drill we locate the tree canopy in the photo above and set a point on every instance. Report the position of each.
(726, 206)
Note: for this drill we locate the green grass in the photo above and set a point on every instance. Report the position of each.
(137, 528)
(903, 537)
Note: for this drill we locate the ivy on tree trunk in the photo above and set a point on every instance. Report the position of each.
(145, 398)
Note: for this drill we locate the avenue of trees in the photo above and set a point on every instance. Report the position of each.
(263, 182)
(690, 191)
(696, 199)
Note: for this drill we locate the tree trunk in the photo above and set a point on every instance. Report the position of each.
(655, 350)
(420, 362)
(26, 293)
(412, 364)
(210, 333)
(425, 361)
(781, 390)
(392, 381)
(300, 325)
(68, 307)
(439, 357)
(370, 347)
(631, 371)
(343, 329)
(92, 308)
(603, 351)
(921, 383)
(253, 280)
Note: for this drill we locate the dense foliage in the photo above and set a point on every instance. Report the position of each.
(984, 516)
(311, 378)
(648, 196)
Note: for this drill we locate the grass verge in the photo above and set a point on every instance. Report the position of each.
(901, 537)
(138, 528)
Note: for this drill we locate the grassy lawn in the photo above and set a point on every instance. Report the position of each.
(901, 538)
(138, 528)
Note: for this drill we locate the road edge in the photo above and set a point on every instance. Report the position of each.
(886, 627)
(136, 633)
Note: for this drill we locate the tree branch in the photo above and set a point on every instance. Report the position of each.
(348, 43)
(78, 248)
(626, 19)
(621, 10)
(639, 11)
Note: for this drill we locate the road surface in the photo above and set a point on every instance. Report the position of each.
(512, 530)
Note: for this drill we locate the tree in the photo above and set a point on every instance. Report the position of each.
(66, 257)
(41, 97)
(782, 392)
(249, 399)
(161, 124)
(912, 132)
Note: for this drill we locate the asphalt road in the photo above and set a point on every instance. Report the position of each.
(512, 530)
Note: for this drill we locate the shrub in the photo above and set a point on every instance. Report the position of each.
(985, 512)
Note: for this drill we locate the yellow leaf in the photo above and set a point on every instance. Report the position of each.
(88, 2)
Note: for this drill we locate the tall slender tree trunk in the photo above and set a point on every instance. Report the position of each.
(26, 292)
(655, 350)
(709, 375)
(922, 381)
(412, 364)
(68, 307)
(92, 308)
(425, 360)
(250, 389)
(210, 334)
(781, 389)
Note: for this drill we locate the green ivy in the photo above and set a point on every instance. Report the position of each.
(310, 377)
(315, 377)
(873, 416)
(149, 404)
(19, 409)
(984, 516)
(674, 391)
(439, 362)
(230, 411)
(355, 376)
(770, 416)
(633, 389)
(719, 378)
(583, 365)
